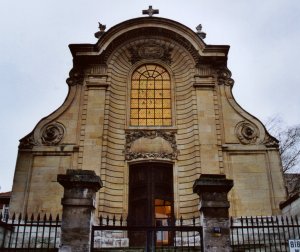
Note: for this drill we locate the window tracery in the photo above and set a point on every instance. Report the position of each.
(150, 98)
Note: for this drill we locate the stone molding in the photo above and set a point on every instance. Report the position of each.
(246, 132)
(133, 135)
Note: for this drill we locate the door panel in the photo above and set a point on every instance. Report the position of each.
(150, 200)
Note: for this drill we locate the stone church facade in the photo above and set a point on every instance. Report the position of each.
(150, 109)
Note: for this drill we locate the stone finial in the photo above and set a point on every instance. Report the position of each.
(200, 33)
(101, 31)
(150, 11)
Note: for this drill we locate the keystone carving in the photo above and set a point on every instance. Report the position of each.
(150, 50)
(224, 77)
(52, 134)
(132, 136)
(246, 132)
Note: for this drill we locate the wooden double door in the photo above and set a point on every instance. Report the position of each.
(151, 200)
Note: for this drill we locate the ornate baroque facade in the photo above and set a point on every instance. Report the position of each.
(150, 93)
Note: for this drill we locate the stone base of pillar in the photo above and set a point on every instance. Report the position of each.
(80, 187)
(214, 216)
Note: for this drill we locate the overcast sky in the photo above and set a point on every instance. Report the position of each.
(264, 36)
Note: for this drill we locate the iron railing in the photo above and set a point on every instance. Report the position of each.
(34, 233)
(270, 233)
(169, 235)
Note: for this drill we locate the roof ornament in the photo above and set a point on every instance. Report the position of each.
(200, 33)
(102, 28)
(150, 11)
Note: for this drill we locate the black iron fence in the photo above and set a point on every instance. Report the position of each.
(166, 235)
(32, 233)
(264, 233)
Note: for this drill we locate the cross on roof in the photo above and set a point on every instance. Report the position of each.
(150, 11)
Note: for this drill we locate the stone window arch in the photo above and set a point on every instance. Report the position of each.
(150, 96)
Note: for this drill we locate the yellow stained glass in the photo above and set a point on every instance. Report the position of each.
(134, 93)
(150, 122)
(134, 113)
(150, 67)
(166, 85)
(134, 122)
(142, 113)
(143, 103)
(150, 93)
(158, 103)
(166, 93)
(134, 103)
(158, 84)
(142, 93)
(166, 103)
(143, 84)
(150, 102)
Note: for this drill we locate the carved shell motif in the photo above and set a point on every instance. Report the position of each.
(246, 132)
(52, 134)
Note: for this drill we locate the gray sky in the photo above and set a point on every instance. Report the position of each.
(264, 36)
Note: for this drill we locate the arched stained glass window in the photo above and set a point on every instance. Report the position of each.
(150, 100)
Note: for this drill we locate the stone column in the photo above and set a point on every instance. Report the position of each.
(214, 216)
(80, 187)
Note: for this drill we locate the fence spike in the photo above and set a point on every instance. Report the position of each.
(107, 220)
(13, 217)
(50, 217)
(0, 216)
(114, 220)
(101, 220)
(57, 218)
(38, 217)
(26, 217)
(45, 218)
(194, 221)
(20, 218)
(121, 220)
(181, 220)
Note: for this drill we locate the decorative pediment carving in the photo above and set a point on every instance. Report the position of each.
(150, 50)
(150, 144)
(246, 132)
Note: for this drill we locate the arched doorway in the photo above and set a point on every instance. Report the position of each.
(151, 200)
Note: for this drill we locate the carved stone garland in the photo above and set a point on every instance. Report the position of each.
(131, 136)
(246, 132)
(52, 134)
(224, 77)
(150, 50)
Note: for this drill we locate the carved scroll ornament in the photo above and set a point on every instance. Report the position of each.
(52, 134)
(224, 77)
(246, 132)
(76, 77)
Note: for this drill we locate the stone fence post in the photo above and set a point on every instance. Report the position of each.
(80, 187)
(214, 216)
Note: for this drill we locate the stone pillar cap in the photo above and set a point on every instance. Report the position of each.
(80, 179)
(212, 183)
